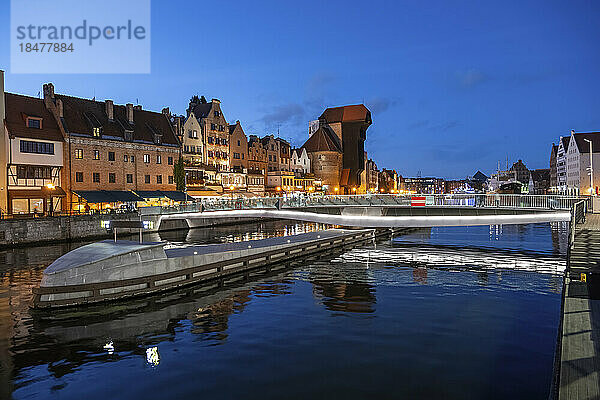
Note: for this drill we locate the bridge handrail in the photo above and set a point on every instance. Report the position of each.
(577, 216)
(485, 200)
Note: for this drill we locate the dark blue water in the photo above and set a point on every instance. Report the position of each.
(355, 325)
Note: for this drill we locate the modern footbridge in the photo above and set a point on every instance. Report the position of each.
(378, 211)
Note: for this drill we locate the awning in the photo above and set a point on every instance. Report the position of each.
(107, 196)
(175, 195)
(150, 194)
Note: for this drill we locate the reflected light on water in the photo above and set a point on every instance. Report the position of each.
(152, 356)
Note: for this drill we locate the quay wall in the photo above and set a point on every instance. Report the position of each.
(36, 231)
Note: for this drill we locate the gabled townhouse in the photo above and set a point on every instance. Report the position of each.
(257, 166)
(578, 163)
(561, 164)
(214, 130)
(238, 148)
(300, 162)
(192, 141)
(31, 156)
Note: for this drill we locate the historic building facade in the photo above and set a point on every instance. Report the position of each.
(325, 153)
(238, 148)
(192, 141)
(215, 130)
(112, 147)
(31, 155)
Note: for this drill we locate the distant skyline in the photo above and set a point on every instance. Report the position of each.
(453, 87)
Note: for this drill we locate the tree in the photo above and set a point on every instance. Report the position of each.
(179, 174)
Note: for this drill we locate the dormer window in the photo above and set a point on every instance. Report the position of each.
(157, 138)
(97, 132)
(33, 122)
(128, 135)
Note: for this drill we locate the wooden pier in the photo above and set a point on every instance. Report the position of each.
(578, 350)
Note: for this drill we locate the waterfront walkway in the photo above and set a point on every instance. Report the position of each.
(580, 338)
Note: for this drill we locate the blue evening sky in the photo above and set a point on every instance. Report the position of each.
(453, 86)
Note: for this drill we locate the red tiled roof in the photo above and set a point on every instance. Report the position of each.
(356, 112)
(18, 107)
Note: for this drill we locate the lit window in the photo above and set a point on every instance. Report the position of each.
(96, 154)
(147, 158)
(79, 154)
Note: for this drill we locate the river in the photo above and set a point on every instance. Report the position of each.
(453, 313)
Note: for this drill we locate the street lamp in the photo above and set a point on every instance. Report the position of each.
(51, 187)
(591, 169)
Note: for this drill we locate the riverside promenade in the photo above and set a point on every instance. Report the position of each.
(579, 339)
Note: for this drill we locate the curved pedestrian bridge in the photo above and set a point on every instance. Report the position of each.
(381, 211)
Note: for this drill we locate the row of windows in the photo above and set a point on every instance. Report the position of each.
(192, 149)
(237, 156)
(272, 158)
(126, 158)
(220, 128)
(217, 154)
(112, 178)
(33, 172)
(220, 141)
(28, 146)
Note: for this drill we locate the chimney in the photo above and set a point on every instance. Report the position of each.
(138, 107)
(59, 108)
(110, 110)
(49, 91)
(129, 107)
(216, 101)
(166, 111)
(237, 122)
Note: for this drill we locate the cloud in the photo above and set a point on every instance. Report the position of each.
(471, 78)
(317, 85)
(379, 105)
(292, 113)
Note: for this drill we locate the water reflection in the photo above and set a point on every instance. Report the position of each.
(400, 304)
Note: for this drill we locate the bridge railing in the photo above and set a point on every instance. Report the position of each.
(550, 202)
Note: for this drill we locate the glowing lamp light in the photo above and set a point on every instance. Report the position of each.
(337, 189)
(231, 187)
(278, 188)
(354, 189)
(50, 186)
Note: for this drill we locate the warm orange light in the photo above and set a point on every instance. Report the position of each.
(278, 188)
(381, 190)
(231, 187)
(354, 189)
(50, 186)
(336, 189)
